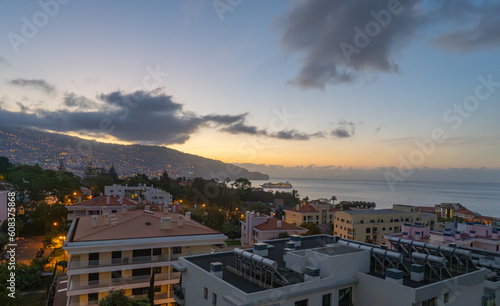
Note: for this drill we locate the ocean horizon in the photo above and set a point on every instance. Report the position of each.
(483, 198)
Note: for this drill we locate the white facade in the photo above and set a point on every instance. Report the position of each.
(154, 195)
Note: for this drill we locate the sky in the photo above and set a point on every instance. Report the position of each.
(312, 86)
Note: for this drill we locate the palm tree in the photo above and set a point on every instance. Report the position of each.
(334, 198)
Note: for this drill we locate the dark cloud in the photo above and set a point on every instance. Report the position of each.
(340, 133)
(139, 117)
(342, 40)
(72, 100)
(477, 25)
(344, 129)
(36, 84)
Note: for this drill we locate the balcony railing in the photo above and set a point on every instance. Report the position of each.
(123, 281)
(158, 296)
(178, 293)
(83, 264)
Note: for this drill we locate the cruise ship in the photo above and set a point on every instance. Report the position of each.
(286, 185)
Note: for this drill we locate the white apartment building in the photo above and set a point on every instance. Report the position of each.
(324, 270)
(100, 205)
(122, 250)
(153, 195)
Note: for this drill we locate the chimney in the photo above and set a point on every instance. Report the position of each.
(278, 224)
(296, 239)
(147, 207)
(473, 234)
(417, 273)
(311, 273)
(458, 236)
(180, 221)
(120, 200)
(94, 221)
(166, 223)
(106, 218)
(283, 218)
(173, 209)
(393, 275)
(260, 249)
(297, 207)
(494, 234)
(101, 194)
(290, 245)
(79, 199)
(216, 269)
(124, 209)
(107, 200)
(188, 216)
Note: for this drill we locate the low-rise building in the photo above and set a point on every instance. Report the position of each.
(100, 205)
(122, 251)
(257, 227)
(317, 213)
(369, 225)
(4, 200)
(323, 270)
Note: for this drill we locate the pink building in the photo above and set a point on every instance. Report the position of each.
(257, 227)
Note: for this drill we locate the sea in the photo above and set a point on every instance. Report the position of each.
(483, 198)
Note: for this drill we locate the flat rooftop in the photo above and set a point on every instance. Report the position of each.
(275, 253)
(375, 211)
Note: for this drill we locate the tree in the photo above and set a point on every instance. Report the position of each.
(312, 228)
(242, 183)
(334, 198)
(232, 231)
(260, 208)
(118, 298)
(5, 165)
(215, 218)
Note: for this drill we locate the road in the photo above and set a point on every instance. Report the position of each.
(28, 247)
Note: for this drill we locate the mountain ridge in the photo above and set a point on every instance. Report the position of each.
(30, 146)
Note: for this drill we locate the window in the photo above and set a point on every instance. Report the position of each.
(447, 297)
(342, 220)
(430, 302)
(367, 230)
(93, 259)
(177, 250)
(327, 300)
(383, 228)
(381, 220)
(116, 274)
(390, 228)
(93, 277)
(205, 293)
(140, 291)
(157, 289)
(302, 303)
(304, 218)
(372, 221)
(214, 298)
(93, 297)
(345, 297)
(157, 251)
(113, 211)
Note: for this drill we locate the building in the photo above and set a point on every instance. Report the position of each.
(257, 227)
(154, 195)
(100, 205)
(326, 270)
(122, 250)
(317, 213)
(369, 225)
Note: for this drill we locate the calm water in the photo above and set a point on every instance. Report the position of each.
(483, 198)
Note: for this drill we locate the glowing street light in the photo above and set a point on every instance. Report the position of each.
(55, 223)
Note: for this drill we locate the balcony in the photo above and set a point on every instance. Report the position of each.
(160, 297)
(123, 281)
(179, 294)
(79, 264)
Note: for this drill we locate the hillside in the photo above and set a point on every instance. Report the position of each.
(28, 146)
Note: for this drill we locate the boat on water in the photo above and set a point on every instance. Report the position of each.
(286, 185)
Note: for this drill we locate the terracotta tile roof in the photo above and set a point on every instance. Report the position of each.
(133, 224)
(101, 201)
(487, 219)
(272, 225)
(307, 208)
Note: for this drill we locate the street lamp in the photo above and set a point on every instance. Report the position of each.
(55, 223)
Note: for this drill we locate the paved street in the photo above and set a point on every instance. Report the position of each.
(28, 247)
